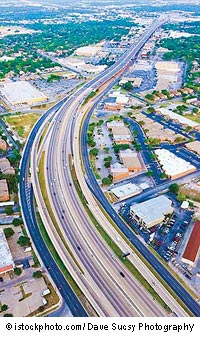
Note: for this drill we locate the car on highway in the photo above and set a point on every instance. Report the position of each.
(122, 274)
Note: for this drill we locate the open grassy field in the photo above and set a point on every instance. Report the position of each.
(22, 123)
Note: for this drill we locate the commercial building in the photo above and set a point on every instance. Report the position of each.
(176, 117)
(5, 166)
(122, 139)
(130, 160)
(125, 191)
(172, 165)
(21, 92)
(6, 260)
(192, 249)
(121, 133)
(151, 212)
(4, 193)
(88, 51)
(194, 146)
(119, 171)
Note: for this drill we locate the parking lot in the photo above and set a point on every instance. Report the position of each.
(166, 238)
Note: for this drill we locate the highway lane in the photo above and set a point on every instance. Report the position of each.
(109, 74)
(27, 207)
(76, 240)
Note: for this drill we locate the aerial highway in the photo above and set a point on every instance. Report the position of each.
(110, 287)
(75, 225)
(28, 212)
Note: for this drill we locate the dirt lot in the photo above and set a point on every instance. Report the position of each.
(23, 123)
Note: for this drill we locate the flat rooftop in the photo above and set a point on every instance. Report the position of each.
(6, 260)
(173, 165)
(153, 209)
(20, 92)
(179, 118)
(126, 190)
(194, 146)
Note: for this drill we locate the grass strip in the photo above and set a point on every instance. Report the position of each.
(49, 209)
(56, 257)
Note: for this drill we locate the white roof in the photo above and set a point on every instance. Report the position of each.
(185, 204)
(5, 254)
(181, 119)
(20, 91)
(115, 124)
(117, 167)
(171, 164)
(153, 209)
(126, 190)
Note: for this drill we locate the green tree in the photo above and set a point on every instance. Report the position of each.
(174, 188)
(149, 173)
(163, 175)
(8, 232)
(17, 222)
(107, 180)
(17, 271)
(106, 150)
(23, 240)
(181, 197)
(4, 307)
(37, 274)
(8, 315)
(94, 152)
(9, 210)
(127, 86)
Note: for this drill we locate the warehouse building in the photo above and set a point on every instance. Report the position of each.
(21, 92)
(130, 160)
(194, 146)
(172, 165)
(176, 117)
(118, 172)
(151, 212)
(192, 249)
(6, 260)
(125, 191)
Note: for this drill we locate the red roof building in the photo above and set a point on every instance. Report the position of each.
(192, 249)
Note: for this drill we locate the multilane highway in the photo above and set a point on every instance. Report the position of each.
(57, 174)
(61, 199)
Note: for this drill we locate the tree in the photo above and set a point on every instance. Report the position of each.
(106, 150)
(149, 173)
(127, 86)
(8, 315)
(9, 210)
(17, 222)
(4, 307)
(181, 197)
(37, 274)
(94, 152)
(174, 188)
(23, 241)
(17, 271)
(8, 232)
(107, 180)
(163, 175)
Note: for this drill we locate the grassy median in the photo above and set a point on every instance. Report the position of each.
(116, 250)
